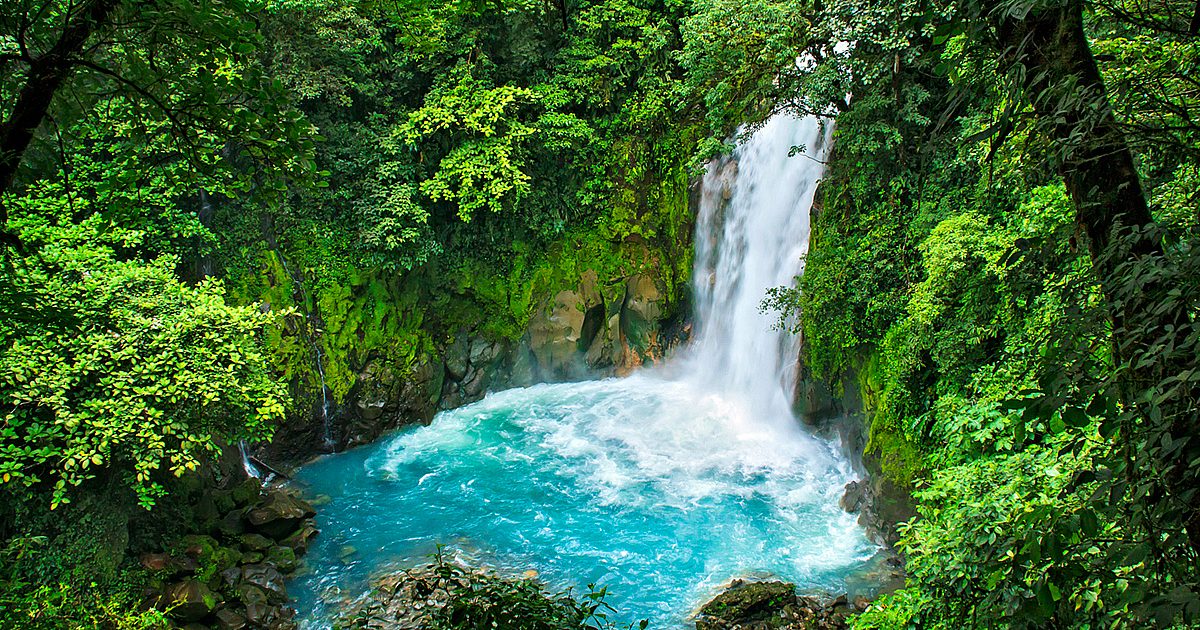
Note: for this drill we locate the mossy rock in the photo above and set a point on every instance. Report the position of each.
(255, 542)
(223, 558)
(190, 600)
(758, 605)
(198, 546)
(224, 501)
(282, 557)
(247, 492)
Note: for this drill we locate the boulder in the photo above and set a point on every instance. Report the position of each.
(223, 500)
(279, 515)
(589, 289)
(261, 615)
(267, 578)
(298, 541)
(231, 525)
(199, 547)
(282, 557)
(370, 409)
(228, 619)
(600, 352)
(231, 576)
(249, 594)
(751, 605)
(190, 600)
(474, 385)
(773, 605)
(386, 398)
(255, 542)
(247, 492)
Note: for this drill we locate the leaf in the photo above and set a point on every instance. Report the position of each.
(1075, 417)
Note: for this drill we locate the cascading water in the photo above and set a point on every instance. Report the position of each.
(745, 245)
(327, 442)
(248, 466)
(326, 434)
(661, 486)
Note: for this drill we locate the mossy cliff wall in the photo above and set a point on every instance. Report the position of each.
(839, 379)
(393, 348)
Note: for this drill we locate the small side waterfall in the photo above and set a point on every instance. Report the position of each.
(248, 466)
(751, 236)
(326, 434)
(318, 357)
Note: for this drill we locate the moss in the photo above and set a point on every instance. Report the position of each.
(901, 461)
(354, 315)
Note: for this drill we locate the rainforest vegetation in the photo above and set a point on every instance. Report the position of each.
(213, 214)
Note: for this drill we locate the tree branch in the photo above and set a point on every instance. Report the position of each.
(47, 73)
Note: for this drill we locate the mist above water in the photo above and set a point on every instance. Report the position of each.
(661, 486)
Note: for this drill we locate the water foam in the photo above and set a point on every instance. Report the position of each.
(661, 486)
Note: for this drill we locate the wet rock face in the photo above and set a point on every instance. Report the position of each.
(474, 365)
(385, 398)
(597, 327)
(578, 334)
(554, 335)
(279, 515)
(880, 505)
(774, 605)
(641, 313)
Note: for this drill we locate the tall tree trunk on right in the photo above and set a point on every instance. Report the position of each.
(1064, 85)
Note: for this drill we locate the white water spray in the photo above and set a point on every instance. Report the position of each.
(751, 236)
(661, 486)
(248, 466)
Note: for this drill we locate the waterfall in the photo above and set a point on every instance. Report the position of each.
(661, 486)
(751, 236)
(326, 435)
(248, 466)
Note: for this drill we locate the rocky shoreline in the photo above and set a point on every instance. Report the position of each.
(231, 573)
(775, 605)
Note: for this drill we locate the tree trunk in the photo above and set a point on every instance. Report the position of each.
(1067, 92)
(1095, 160)
(46, 75)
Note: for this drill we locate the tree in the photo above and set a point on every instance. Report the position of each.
(188, 63)
(110, 365)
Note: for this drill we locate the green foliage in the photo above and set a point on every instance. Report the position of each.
(64, 569)
(138, 373)
(1047, 448)
(481, 160)
(183, 66)
(485, 168)
(111, 364)
(41, 604)
(477, 600)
